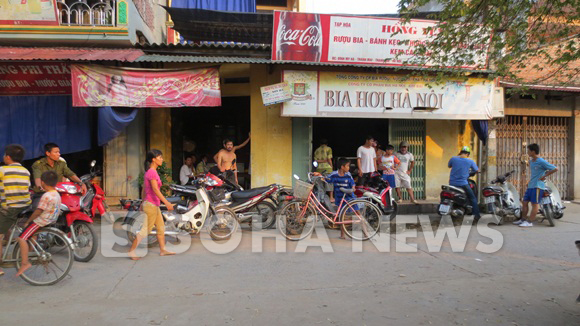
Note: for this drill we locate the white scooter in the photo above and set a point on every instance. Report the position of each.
(502, 199)
(192, 209)
(551, 206)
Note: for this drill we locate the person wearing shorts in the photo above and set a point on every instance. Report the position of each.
(540, 169)
(403, 172)
(388, 165)
(45, 214)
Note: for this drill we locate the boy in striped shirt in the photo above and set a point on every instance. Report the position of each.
(14, 189)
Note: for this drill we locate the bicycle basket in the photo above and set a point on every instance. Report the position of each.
(302, 189)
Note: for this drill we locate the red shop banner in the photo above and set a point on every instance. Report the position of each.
(39, 78)
(305, 37)
(154, 88)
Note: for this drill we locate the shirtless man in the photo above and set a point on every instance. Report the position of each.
(225, 157)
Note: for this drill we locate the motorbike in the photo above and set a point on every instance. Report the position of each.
(93, 201)
(551, 206)
(249, 205)
(454, 201)
(75, 222)
(502, 198)
(379, 192)
(193, 208)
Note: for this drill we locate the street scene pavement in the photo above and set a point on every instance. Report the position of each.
(534, 279)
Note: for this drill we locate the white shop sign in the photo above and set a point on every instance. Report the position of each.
(369, 95)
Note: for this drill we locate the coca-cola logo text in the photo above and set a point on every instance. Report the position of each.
(311, 36)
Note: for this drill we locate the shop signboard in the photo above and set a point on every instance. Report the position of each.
(154, 88)
(274, 94)
(341, 39)
(28, 12)
(370, 95)
(38, 78)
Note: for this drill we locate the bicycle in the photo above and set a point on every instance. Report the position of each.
(51, 255)
(359, 218)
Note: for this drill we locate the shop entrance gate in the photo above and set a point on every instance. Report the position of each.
(514, 133)
(414, 132)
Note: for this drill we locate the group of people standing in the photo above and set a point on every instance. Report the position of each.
(395, 167)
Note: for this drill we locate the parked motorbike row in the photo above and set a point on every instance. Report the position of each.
(500, 199)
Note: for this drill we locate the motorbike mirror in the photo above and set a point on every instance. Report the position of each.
(296, 177)
(93, 162)
(315, 164)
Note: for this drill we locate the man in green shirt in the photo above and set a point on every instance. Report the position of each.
(323, 155)
(52, 162)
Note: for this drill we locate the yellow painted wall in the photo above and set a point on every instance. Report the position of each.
(160, 132)
(271, 151)
(444, 140)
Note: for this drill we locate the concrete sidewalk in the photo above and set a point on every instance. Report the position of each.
(533, 279)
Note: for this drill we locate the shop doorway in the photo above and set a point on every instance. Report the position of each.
(201, 130)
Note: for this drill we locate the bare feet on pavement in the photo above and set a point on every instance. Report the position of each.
(23, 269)
(166, 253)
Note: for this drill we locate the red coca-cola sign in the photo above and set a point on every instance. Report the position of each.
(298, 37)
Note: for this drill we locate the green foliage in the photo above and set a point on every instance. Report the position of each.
(165, 174)
(517, 34)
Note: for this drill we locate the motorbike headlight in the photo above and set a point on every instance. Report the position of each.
(71, 189)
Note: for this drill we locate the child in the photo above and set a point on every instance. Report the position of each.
(389, 164)
(341, 178)
(14, 184)
(46, 213)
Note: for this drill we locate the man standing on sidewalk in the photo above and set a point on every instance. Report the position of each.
(403, 172)
(540, 169)
(366, 159)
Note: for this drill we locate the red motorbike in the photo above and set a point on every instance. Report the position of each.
(78, 212)
(379, 192)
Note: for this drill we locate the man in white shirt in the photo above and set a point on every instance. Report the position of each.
(186, 171)
(366, 161)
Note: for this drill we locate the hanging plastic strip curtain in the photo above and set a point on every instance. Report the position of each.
(113, 121)
(480, 127)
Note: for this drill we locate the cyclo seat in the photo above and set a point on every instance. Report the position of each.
(237, 195)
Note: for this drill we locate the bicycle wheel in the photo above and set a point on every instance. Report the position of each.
(51, 255)
(135, 226)
(296, 221)
(363, 219)
(223, 223)
(87, 241)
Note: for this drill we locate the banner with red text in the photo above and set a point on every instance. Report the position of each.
(155, 88)
(342, 39)
(369, 95)
(38, 78)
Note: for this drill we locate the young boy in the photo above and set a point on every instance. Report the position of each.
(540, 169)
(14, 194)
(388, 164)
(341, 178)
(46, 213)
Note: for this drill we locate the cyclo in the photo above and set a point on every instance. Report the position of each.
(360, 219)
(51, 255)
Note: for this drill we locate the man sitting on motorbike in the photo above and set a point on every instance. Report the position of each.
(461, 166)
(52, 162)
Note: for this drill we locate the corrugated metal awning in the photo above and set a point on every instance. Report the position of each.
(541, 87)
(258, 60)
(74, 54)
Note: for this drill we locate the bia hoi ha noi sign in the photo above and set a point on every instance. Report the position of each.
(139, 88)
(369, 95)
(305, 37)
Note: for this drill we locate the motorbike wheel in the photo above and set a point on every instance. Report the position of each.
(87, 241)
(108, 214)
(267, 211)
(549, 214)
(223, 223)
(294, 225)
(135, 225)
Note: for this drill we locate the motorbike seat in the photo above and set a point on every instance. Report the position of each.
(188, 190)
(456, 189)
(346, 191)
(245, 194)
(495, 188)
(173, 199)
